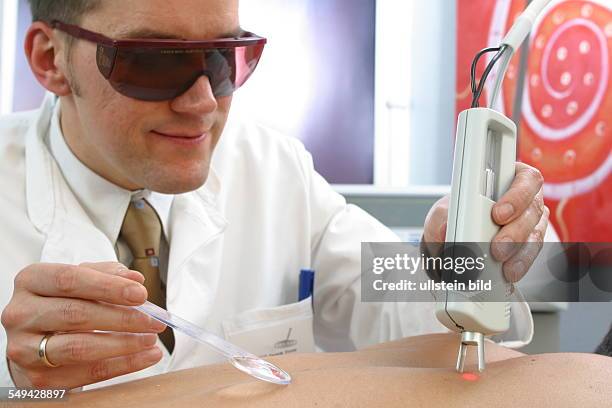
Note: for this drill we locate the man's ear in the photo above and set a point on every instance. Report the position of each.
(41, 48)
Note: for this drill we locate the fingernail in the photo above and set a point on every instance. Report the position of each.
(152, 355)
(156, 325)
(141, 274)
(504, 211)
(135, 293)
(149, 340)
(135, 276)
(122, 271)
(516, 270)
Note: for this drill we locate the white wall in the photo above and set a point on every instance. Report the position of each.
(433, 92)
(415, 92)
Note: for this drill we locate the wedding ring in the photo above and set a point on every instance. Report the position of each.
(42, 351)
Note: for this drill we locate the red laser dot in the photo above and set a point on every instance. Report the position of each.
(470, 376)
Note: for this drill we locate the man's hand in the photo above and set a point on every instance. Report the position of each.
(73, 301)
(520, 212)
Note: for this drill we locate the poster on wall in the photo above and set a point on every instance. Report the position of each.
(565, 127)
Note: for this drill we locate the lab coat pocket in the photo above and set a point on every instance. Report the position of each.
(273, 331)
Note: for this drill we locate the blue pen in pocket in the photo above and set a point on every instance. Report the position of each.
(306, 284)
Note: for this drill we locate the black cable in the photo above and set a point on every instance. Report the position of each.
(474, 65)
(485, 75)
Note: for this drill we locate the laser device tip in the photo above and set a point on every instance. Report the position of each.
(471, 339)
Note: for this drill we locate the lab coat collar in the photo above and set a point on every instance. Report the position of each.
(40, 192)
(194, 265)
(53, 209)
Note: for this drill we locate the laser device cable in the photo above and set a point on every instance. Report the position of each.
(509, 45)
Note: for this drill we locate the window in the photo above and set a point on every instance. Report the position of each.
(317, 78)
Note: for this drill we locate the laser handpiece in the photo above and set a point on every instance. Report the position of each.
(483, 170)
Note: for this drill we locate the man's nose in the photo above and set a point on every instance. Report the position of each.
(197, 99)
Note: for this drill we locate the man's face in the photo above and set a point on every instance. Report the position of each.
(140, 144)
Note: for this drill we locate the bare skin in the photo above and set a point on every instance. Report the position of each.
(415, 372)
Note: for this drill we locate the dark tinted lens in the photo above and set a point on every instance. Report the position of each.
(153, 74)
(163, 74)
(247, 59)
(221, 71)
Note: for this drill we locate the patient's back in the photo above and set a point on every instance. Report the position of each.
(411, 372)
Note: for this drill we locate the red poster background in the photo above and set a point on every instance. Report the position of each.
(566, 114)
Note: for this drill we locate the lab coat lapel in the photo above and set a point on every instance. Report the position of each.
(195, 228)
(73, 243)
(53, 209)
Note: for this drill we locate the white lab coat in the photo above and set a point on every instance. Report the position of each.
(236, 245)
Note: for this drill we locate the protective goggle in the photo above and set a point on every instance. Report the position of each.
(160, 69)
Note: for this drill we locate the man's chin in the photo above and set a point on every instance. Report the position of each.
(178, 185)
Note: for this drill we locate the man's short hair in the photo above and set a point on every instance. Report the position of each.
(66, 11)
